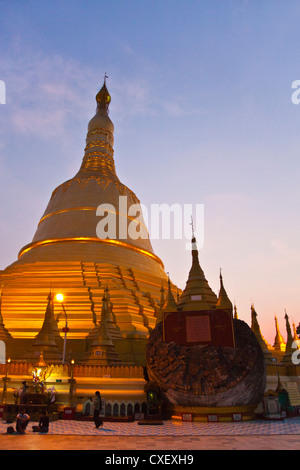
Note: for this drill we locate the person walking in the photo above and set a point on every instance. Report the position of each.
(97, 409)
(23, 392)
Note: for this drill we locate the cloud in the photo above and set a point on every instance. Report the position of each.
(47, 93)
(43, 92)
(289, 255)
(175, 109)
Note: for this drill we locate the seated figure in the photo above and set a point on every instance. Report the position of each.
(43, 423)
(22, 421)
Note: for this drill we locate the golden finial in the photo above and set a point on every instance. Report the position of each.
(103, 98)
(235, 311)
(279, 343)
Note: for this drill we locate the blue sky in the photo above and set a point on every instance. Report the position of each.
(201, 103)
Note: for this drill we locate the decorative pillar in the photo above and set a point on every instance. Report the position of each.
(5, 380)
(72, 383)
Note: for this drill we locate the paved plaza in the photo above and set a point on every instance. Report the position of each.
(82, 435)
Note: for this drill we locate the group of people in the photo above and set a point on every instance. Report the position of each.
(23, 419)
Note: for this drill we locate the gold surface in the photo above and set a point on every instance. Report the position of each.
(33, 245)
(100, 130)
(91, 209)
(224, 413)
(99, 143)
(66, 255)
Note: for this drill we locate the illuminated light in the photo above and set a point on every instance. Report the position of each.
(59, 297)
(30, 246)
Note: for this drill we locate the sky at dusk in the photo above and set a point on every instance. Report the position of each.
(201, 104)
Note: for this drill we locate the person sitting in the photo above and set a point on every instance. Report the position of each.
(43, 423)
(22, 421)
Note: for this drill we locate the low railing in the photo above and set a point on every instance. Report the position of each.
(22, 368)
(108, 371)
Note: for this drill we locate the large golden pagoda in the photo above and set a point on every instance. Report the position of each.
(66, 255)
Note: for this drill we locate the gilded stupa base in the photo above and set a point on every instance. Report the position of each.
(212, 414)
(135, 297)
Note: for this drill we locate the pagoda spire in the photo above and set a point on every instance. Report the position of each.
(169, 304)
(4, 333)
(279, 343)
(99, 153)
(235, 315)
(289, 342)
(162, 296)
(161, 305)
(197, 294)
(113, 330)
(223, 299)
(45, 341)
(256, 330)
(102, 350)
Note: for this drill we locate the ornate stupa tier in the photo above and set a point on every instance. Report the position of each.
(197, 294)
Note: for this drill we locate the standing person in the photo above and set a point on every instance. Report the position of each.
(22, 421)
(23, 393)
(97, 408)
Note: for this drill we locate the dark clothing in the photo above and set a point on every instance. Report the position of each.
(97, 420)
(43, 425)
(97, 408)
(22, 421)
(97, 404)
(23, 393)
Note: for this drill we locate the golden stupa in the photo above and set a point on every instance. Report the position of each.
(66, 255)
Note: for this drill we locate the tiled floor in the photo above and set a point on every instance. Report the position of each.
(78, 435)
(289, 426)
(167, 443)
